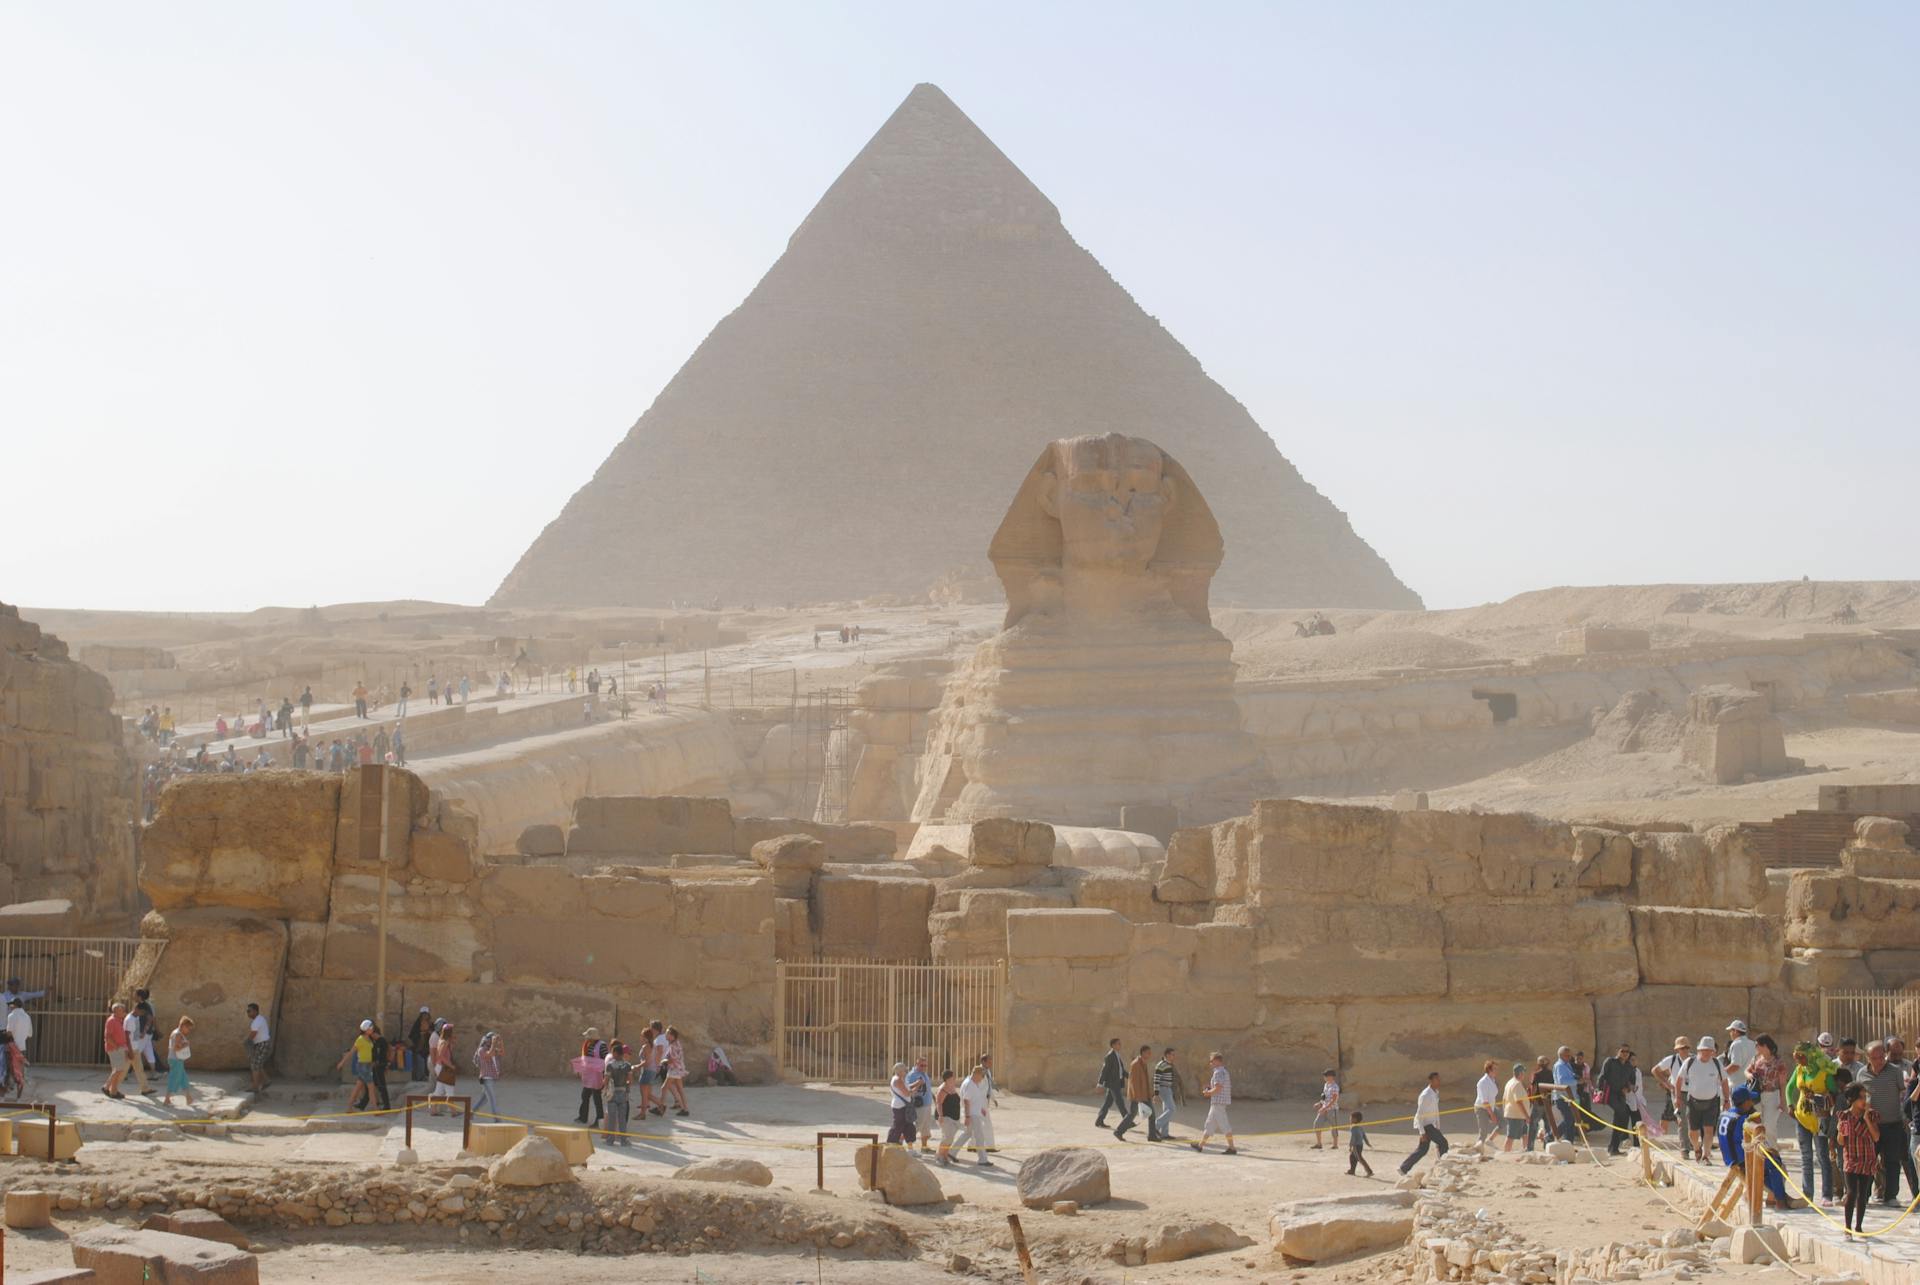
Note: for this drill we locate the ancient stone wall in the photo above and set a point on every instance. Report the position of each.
(66, 787)
(260, 886)
(1393, 943)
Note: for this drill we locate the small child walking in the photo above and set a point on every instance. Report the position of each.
(1357, 1144)
(1328, 1109)
(1859, 1154)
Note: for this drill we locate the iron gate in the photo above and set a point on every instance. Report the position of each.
(849, 1021)
(80, 976)
(1868, 1015)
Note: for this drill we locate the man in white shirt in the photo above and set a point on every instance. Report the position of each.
(1704, 1086)
(20, 1026)
(975, 1109)
(1426, 1122)
(1740, 1050)
(259, 1048)
(1668, 1071)
(13, 992)
(1486, 1098)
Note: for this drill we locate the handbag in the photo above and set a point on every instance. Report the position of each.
(447, 1075)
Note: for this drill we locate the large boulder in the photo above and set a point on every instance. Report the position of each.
(1078, 1174)
(904, 1178)
(1192, 1238)
(202, 1224)
(738, 1169)
(533, 1162)
(792, 860)
(124, 1256)
(1314, 1231)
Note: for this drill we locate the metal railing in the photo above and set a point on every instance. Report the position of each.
(849, 1021)
(80, 978)
(1868, 1015)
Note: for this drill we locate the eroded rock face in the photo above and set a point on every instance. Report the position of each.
(1109, 687)
(1078, 1174)
(66, 783)
(262, 842)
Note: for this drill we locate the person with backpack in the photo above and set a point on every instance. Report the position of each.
(619, 1078)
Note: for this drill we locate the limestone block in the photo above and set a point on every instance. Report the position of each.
(489, 1138)
(574, 1144)
(1604, 858)
(409, 806)
(742, 1170)
(1050, 981)
(541, 841)
(860, 841)
(793, 929)
(1316, 952)
(28, 1209)
(31, 1138)
(1190, 1238)
(1715, 870)
(422, 945)
(1311, 1231)
(261, 842)
(873, 917)
(1529, 949)
(1128, 893)
(1190, 858)
(1067, 934)
(47, 917)
(1706, 947)
(1649, 1018)
(629, 895)
(612, 825)
(545, 891)
(54, 1276)
(591, 951)
(437, 855)
(201, 1223)
(1815, 970)
(306, 948)
(740, 905)
(792, 860)
(124, 1256)
(1003, 841)
(215, 962)
(1390, 1045)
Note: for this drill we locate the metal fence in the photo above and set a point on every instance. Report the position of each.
(1868, 1015)
(849, 1021)
(80, 977)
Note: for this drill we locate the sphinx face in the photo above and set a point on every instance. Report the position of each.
(1111, 496)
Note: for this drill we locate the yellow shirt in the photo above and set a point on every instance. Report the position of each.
(363, 1050)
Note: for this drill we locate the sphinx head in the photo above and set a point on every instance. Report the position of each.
(1110, 496)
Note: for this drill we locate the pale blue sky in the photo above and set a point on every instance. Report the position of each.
(309, 302)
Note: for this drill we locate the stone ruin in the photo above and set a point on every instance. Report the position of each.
(1733, 735)
(66, 792)
(1108, 685)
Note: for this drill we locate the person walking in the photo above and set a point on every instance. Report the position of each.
(19, 1025)
(1615, 1091)
(984, 1128)
(445, 1074)
(486, 1066)
(619, 1079)
(1486, 1104)
(1112, 1082)
(1139, 1095)
(360, 1055)
(1859, 1132)
(113, 1038)
(382, 1051)
(976, 1110)
(406, 691)
(1357, 1145)
(1219, 1096)
(676, 1071)
(1886, 1093)
(919, 1079)
(1540, 1103)
(1327, 1111)
(1706, 1089)
(591, 1067)
(1566, 1090)
(1514, 1108)
(1740, 1051)
(1426, 1122)
(1810, 1098)
(1668, 1071)
(902, 1102)
(1168, 1092)
(179, 1052)
(946, 1105)
(419, 1035)
(360, 698)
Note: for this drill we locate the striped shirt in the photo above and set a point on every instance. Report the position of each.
(1858, 1151)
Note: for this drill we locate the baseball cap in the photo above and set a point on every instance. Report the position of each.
(1826, 1040)
(425, 1009)
(366, 1024)
(1737, 1025)
(1706, 1042)
(591, 1033)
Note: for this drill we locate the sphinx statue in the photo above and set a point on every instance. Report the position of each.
(1107, 685)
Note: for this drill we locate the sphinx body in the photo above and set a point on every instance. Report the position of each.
(1108, 685)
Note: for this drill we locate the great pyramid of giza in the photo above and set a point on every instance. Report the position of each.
(855, 426)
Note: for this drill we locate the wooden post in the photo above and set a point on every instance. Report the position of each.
(1756, 1186)
(1646, 1155)
(1020, 1248)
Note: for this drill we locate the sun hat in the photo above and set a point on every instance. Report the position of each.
(1737, 1025)
(1826, 1040)
(1706, 1042)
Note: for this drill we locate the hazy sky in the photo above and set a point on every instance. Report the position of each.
(311, 302)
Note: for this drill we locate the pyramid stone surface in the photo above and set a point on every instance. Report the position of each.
(855, 426)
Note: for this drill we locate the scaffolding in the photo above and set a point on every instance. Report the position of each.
(817, 770)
